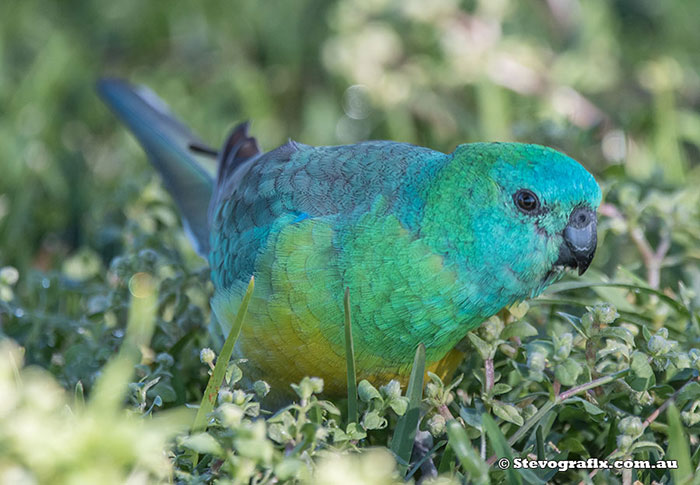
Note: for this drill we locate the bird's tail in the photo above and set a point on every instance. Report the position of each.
(170, 146)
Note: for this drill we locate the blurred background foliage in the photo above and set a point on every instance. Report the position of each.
(615, 84)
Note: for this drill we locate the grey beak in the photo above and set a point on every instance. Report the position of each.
(580, 240)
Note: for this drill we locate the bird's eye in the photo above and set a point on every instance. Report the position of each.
(526, 201)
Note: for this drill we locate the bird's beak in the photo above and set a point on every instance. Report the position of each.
(580, 239)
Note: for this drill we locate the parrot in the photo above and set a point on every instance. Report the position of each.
(429, 244)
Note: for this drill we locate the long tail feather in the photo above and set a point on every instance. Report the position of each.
(168, 145)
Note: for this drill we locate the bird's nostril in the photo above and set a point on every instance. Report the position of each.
(581, 217)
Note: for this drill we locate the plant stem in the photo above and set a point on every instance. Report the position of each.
(445, 412)
(559, 399)
(652, 258)
(590, 385)
(489, 371)
(652, 417)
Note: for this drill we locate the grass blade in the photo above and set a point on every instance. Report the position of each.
(350, 361)
(500, 446)
(540, 443)
(678, 448)
(474, 466)
(406, 427)
(446, 461)
(575, 285)
(217, 377)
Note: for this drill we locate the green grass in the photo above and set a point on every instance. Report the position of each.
(350, 359)
(407, 425)
(211, 393)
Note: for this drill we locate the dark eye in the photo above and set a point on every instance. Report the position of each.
(526, 201)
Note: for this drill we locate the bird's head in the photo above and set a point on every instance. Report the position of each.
(512, 217)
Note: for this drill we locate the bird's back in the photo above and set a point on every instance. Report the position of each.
(295, 182)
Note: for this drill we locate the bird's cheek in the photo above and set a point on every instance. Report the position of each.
(531, 260)
(542, 255)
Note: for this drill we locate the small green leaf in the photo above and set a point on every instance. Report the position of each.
(589, 407)
(308, 386)
(501, 388)
(618, 332)
(520, 329)
(202, 443)
(613, 347)
(391, 390)
(329, 407)
(575, 322)
(399, 405)
(472, 417)
(372, 420)
(367, 391)
(641, 445)
(454, 383)
(573, 445)
(641, 376)
(507, 412)
(568, 371)
(355, 432)
(233, 373)
(165, 391)
(480, 345)
(279, 433)
(519, 310)
(435, 379)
